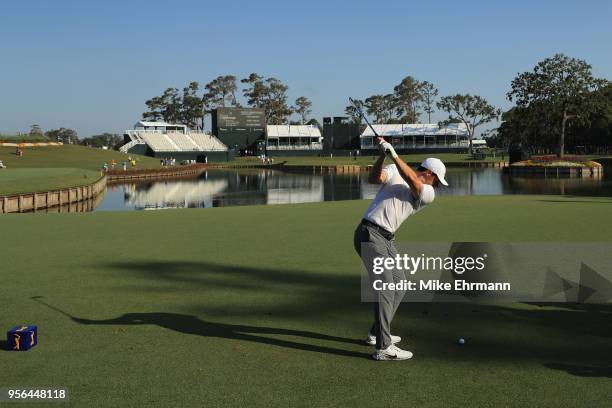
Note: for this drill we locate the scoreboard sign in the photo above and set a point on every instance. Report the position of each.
(239, 128)
(227, 118)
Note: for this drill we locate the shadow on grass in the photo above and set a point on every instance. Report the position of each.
(3, 345)
(577, 307)
(582, 370)
(245, 281)
(582, 318)
(187, 324)
(297, 293)
(310, 296)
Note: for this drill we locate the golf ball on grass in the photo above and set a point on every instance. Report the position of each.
(461, 341)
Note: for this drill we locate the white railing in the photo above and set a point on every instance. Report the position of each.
(128, 145)
(314, 146)
(421, 145)
(137, 132)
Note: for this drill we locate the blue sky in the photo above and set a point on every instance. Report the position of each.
(91, 65)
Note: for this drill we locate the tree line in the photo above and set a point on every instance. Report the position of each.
(411, 98)
(70, 136)
(405, 104)
(559, 107)
(191, 105)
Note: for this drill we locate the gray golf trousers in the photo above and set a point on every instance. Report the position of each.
(369, 244)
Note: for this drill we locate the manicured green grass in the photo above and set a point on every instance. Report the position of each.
(448, 158)
(259, 306)
(13, 181)
(69, 156)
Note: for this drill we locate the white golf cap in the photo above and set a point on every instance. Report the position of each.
(436, 167)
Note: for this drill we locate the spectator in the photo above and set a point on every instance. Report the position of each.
(113, 163)
(124, 166)
(105, 167)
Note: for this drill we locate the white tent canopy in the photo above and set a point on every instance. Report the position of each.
(277, 131)
(418, 136)
(293, 137)
(417, 129)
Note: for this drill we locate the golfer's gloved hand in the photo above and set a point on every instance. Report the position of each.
(388, 149)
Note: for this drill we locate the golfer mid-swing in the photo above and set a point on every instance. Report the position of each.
(403, 193)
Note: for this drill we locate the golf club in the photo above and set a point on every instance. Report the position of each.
(363, 116)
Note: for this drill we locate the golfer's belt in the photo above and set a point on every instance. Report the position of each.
(386, 234)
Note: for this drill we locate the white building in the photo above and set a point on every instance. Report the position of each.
(293, 137)
(418, 136)
(161, 127)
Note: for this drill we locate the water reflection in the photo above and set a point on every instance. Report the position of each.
(218, 188)
(188, 193)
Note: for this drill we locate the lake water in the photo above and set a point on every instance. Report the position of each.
(217, 188)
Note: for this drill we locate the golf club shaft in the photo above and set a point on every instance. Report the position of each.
(363, 116)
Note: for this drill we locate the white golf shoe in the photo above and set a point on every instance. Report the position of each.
(392, 353)
(371, 339)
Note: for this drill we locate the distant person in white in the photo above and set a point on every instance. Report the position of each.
(403, 193)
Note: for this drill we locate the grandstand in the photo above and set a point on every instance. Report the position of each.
(208, 142)
(418, 137)
(160, 139)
